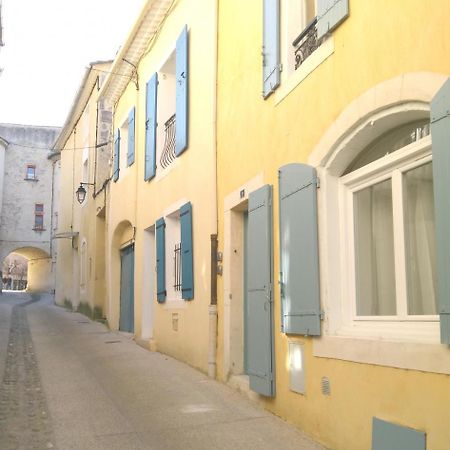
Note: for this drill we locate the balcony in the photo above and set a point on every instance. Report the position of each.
(168, 152)
(306, 43)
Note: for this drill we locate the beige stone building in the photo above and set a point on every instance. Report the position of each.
(26, 199)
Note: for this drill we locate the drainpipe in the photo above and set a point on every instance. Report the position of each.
(212, 341)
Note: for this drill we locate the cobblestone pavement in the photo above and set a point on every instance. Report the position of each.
(24, 419)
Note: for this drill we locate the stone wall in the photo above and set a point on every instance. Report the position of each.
(26, 145)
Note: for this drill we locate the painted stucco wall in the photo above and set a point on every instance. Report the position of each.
(26, 145)
(81, 227)
(177, 327)
(41, 278)
(405, 41)
(65, 290)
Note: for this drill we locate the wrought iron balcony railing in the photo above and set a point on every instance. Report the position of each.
(168, 154)
(306, 43)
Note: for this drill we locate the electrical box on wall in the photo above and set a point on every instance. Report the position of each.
(296, 367)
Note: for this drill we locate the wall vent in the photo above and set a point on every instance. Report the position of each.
(325, 383)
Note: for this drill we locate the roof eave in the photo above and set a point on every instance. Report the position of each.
(143, 31)
(81, 98)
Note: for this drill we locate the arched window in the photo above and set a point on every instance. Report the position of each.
(388, 221)
(376, 228)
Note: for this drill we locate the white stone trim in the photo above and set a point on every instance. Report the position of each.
(403, 355)
(310, 64)
(417, 87)
(232, 272)
(387, 105)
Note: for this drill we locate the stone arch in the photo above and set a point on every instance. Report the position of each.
(122, 236)
(40, 277)
(384, 106)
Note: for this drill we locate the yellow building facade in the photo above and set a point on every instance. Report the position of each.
(329, 313)
(162, 197)
(269, 219)
(85, 150)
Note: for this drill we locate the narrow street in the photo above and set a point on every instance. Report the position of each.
(69, 383)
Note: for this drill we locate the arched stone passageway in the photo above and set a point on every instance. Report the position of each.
(39, 267)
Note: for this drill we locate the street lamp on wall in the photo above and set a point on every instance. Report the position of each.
(81, 192)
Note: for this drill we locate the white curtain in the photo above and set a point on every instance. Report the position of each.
(420, 240)
(374, 251)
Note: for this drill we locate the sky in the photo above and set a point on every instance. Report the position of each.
(48, 45)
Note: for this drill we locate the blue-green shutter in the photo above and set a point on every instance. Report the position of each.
(440, 135)
(330, 13)
(259, 325)
(131, 136)
(150, 127)
(187, 257)
(182, 94)
(161, 260)
(116, 163)
(390, 436)
(299, 254)
(126, 320)
(271, 46)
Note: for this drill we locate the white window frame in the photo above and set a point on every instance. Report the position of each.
(165, 107)
(290, 28)
(171, 214)
(421, 328)
(290, 77)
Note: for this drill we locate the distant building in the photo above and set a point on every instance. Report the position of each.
(14, 271)
(26, 212)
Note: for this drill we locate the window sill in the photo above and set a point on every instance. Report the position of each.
(425, 357)
(163, 173)
(39, 229)
(308, 66)
(175, 304)
(31, 179)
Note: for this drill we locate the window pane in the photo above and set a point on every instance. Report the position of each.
(38, 221)
(374, 251)
(390, 142)
(39, 207)
(31, 170)
(420, 240)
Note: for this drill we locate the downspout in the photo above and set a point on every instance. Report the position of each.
(212, 341)
(212, 347)
(52, 212)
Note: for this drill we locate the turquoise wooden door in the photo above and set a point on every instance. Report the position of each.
(259, 318)
(126, 322)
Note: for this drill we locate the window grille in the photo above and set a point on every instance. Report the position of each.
(38, 216)
(168, 154)
(177, 267)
